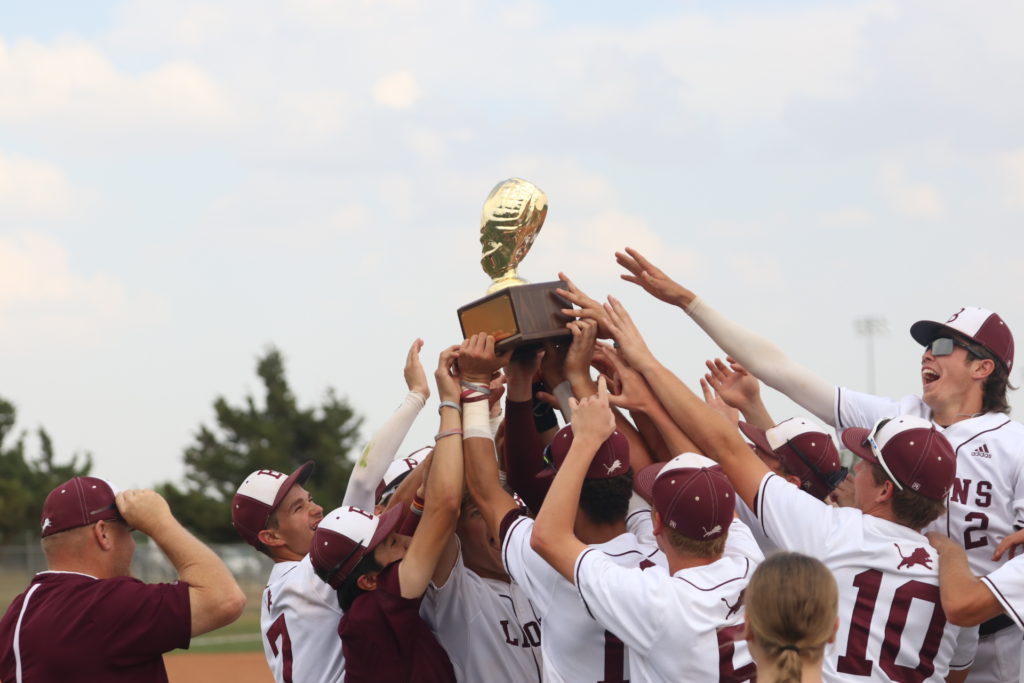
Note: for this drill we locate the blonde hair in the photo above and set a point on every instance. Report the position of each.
(791, 605)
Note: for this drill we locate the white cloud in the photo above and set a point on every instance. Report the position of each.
(396, 91)
(914, 199)
(43, 299)
(32, 189)
(76, 81)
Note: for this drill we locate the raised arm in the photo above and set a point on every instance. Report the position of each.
(381, 449)
(443, 495)
(763, 358)
(737, 388)
(966, 600)
(635, 395)
(553, 537)
(477, 360)
(214, 597)
(713, 434)
(524, 448)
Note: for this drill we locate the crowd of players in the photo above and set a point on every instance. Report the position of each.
(646, 540)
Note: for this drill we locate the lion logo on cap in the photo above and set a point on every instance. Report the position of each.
(616, 464)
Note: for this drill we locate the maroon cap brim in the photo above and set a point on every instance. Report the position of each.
(299, 476)
(758, 438)
(389, 521)
(853, 438)
(643, 482)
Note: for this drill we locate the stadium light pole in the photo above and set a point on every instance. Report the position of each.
(868, 326)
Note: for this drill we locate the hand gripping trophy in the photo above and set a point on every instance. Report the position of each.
(514, 312)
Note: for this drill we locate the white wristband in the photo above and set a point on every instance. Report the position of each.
(476, 421)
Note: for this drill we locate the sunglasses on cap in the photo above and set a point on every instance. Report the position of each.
(829, 480)
(877, 452)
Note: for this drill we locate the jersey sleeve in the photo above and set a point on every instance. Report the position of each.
(639, 522)
(1007, 585)
(628, 601)
(378, 454)
(741, 542)
(528, 569)
(142, 620)
(855, 409)
(795, 520)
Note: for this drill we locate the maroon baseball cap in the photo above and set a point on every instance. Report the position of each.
(913, 453)
(980, 325)
(345, 536)
(78, 502)
(805, 450)
(691, 498)
(258, 497)
(611, 459)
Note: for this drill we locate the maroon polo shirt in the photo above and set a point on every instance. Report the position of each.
(75, 627)
(383, 638)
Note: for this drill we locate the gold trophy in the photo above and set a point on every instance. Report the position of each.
(514, 312)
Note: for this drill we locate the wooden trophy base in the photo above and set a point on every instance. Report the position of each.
(520, 315)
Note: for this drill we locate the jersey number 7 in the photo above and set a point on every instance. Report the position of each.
(279, 629)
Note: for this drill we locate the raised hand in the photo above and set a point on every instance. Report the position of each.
(521, 371)
(447, 375)
(653, 279)
(478, 360)
(415, 375)
(1012, 542)
(143, 509)
(581, 351)
(588, 308)
(592, 418)
(733, 384)
(715, 401)
(626, 334)
(632, 391)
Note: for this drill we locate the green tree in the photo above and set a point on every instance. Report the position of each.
(277, 435)
(25, 482)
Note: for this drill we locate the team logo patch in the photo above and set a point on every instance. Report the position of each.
(733, 609)
(713, 530)
(918, 557)
(47, 523)
(981, 451)
(614, 466)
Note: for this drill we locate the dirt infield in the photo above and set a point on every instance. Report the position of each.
(216, 667)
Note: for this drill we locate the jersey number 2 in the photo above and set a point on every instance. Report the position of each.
(855, 660)
(280, 630)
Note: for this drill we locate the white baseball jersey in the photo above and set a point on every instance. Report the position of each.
(575, 647)
(488, 627)
(1007, 585)
(987, 498)
(687, 626)
(747, 516)
(299, 617)
(891, 623)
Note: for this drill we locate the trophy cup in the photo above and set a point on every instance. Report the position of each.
(514, 312)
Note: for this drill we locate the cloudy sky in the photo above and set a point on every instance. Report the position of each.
(183, 184)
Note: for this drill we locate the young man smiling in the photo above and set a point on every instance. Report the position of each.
(965, 368)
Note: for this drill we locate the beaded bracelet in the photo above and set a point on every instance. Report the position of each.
(450, 432)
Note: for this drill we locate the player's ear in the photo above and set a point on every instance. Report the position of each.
(982, 368)
(656, 522)
(368, 581)
(748, 635)
(270, 538)
(794, 480)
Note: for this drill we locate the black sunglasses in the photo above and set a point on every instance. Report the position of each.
(943, 346)
(831, 481)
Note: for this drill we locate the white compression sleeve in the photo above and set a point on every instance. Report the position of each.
(767, 362)
(380, 452)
